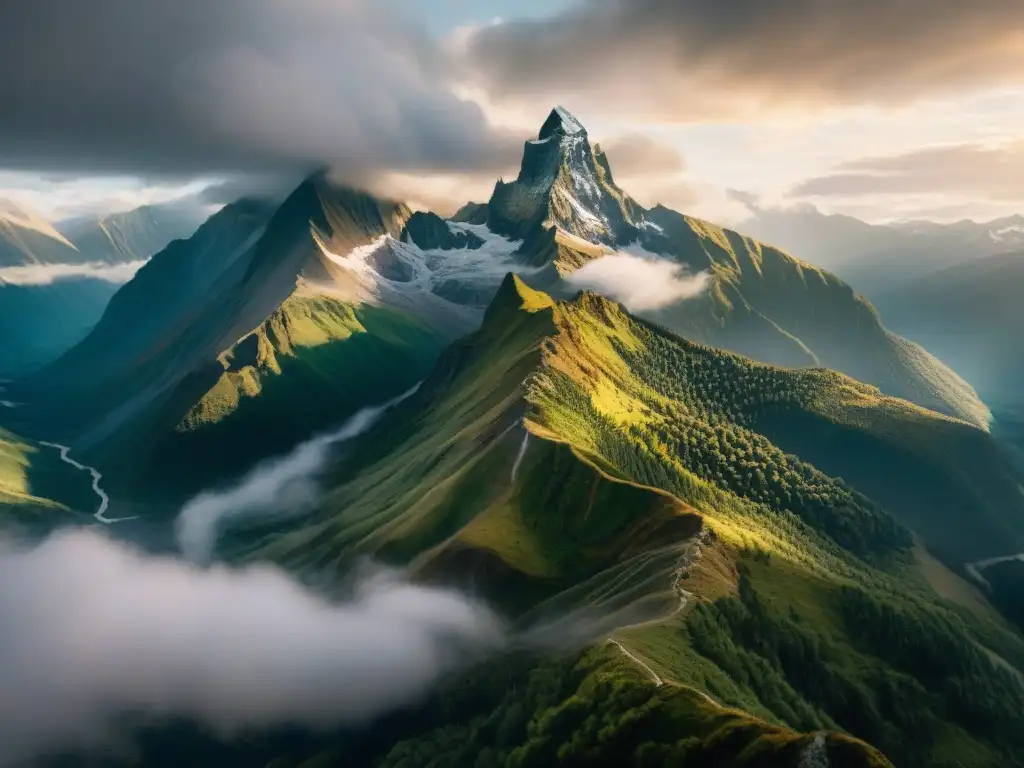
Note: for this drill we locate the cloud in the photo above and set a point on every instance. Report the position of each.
(651, 170)
(633, 154)
(687, 194)
(750, 200)
(443, 194)
(991, 172)
(641, 280)
(654, 173)
(262, 186)
(47, 274)
(192, 86)
(282, 486)
(691, 59)
(94, 630)
(60, 196)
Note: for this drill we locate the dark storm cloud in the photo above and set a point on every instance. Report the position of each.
(691, 58)
(990, 172)
(262, 187)
(176, 88)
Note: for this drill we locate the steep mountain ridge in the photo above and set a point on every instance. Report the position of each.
(577, 465)
(27, 238)
(430, 276)
(147, 307)
(773, 307)
(764, 303)
(528, 345)
(133, 235)
(563, 183)
(55, 285)
(737, 546)
(971, 315)
(262, 305)
(877, 258)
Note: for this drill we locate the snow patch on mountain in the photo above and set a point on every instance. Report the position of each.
(587, 218)
(425, 271)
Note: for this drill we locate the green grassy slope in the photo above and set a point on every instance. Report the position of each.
(220, 347)
(142, 317)
(492, 532)
(770, 306)
(37, 490)
(804, 605)
(311, 364)
(589, 709)
(925, 469)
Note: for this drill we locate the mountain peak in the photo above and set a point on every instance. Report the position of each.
(561, 121)
(515, 296)
(17, 215)
(563, 183)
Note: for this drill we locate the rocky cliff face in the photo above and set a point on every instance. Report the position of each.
(429, 231)
(563, 182)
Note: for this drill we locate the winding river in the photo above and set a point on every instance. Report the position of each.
(101, 512)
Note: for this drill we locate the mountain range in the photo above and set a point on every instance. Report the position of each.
(334, 268)
(878, 257)
(759, 527)
(55, 281)
(971, 316)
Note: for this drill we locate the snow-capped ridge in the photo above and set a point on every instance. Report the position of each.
(396, 267)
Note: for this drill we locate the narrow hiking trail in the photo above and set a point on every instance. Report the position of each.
(684, 598)
(655, 678)
(100, 513)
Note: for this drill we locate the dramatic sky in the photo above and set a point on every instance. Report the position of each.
(882, 109)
